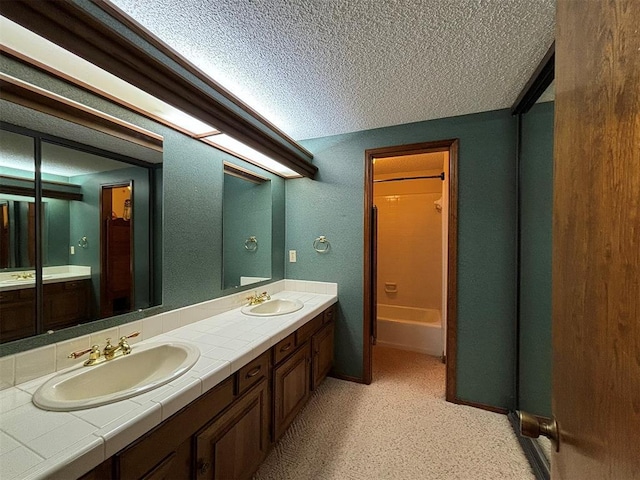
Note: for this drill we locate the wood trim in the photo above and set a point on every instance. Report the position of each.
(450, 146)
(31, 192)
(537, 83)
(149, 37)
(242, 173)
(452, 277)
(347, 378)
(30, 96)
(481, 406)
(73, 28)
(9, 52)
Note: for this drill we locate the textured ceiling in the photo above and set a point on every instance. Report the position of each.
(322, 67)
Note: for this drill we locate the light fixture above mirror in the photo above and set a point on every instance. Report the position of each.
(27, 46)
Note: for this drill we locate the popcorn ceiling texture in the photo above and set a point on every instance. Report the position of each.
(322, 67)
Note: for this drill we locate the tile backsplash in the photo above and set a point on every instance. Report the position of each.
(25, 366)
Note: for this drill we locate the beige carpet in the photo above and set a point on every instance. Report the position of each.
(399, 427)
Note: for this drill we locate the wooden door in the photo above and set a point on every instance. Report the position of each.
(596, 240)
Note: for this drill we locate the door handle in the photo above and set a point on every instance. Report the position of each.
(533, 426)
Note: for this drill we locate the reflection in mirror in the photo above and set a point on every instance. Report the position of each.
(246, 225)
(17, 243)
(96, 235)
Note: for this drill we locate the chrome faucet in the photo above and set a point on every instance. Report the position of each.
(109, 352)
(256, 299)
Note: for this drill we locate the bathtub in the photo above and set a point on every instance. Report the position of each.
(410, 328)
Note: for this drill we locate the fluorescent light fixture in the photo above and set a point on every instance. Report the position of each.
(234, 147)
(66, 64)
(38, 51)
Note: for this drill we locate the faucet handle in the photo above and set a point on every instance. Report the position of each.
(94, 349)
(131, 335)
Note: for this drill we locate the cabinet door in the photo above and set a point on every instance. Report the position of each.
(65, 304)
(18, 313)
(235, 444)
(322, 347)
(291, 389)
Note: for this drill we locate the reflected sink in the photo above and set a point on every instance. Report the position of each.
(145, 368)
(23, 280)
(273, 307)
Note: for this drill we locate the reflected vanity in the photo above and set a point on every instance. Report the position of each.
(85, 255)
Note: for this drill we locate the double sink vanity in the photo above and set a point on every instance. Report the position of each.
(205, 400)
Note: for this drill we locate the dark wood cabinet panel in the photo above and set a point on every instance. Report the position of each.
(17, 314)
(235, 444)
(290, 389)
(66, 304)
(322, 354)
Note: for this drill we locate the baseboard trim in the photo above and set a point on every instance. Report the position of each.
(533, 452)
(348, 378)
(481, 406)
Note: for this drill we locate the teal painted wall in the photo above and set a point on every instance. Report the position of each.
(332, 205)
(536, 205)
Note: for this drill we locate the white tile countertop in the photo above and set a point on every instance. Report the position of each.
(64, 273)
(36, 443)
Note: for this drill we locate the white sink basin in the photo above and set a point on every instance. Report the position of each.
(145, 368)
(273, 307)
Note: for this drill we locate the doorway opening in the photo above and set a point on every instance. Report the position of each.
(116, 250)
(410, 259)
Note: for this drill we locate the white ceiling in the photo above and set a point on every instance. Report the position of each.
(323, 67)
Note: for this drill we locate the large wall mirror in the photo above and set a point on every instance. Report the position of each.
(246, 227)
(76, 225)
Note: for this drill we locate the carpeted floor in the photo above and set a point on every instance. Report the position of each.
(399, 427)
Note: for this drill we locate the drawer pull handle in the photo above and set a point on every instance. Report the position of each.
(204, 467)
(254, 372)
(286, 347)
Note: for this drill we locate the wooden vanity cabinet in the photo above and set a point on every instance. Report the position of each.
(227, 432)
(235, 444)
(321, 354)
(18, 313)
(165, 452)
(66, 304)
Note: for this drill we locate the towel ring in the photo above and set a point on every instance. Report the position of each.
(83, 242)
(251, 244)
(321, 240)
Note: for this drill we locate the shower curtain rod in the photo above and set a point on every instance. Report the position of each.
(441, 177)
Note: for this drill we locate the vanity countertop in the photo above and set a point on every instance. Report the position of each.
(66, 273)
(39, 444)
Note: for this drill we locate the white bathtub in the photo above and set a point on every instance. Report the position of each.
(410, 328)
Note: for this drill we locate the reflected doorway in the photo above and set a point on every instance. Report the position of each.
(116, 249)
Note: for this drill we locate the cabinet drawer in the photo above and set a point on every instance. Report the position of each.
(329, 314)
(253, 372)
(284, 348)
(149, 452)
(304, 332)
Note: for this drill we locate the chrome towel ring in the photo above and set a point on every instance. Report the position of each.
(319, 242)
(251, 244)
